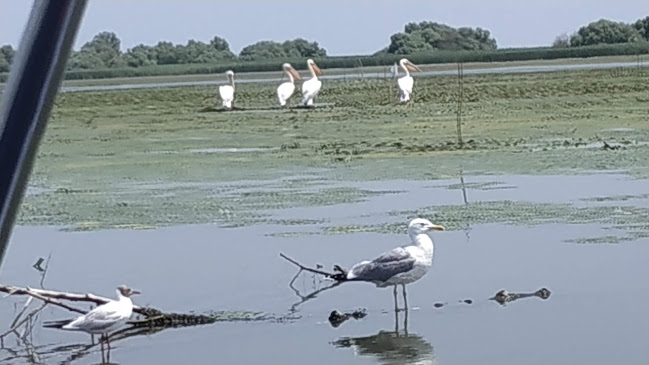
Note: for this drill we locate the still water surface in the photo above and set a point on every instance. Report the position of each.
(597, 312)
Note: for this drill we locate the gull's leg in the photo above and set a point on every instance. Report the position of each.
(405, 299)
(396, 302)
(405, 323)
(101, 346)
(396, 323)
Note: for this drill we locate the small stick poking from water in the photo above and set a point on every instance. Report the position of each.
(305, 268)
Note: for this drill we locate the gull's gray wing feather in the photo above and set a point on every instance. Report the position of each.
(383, 267)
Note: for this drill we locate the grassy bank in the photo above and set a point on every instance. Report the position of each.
(167, 156)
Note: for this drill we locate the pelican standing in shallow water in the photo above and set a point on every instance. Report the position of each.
(104, 318)
(285, 90)
(227, 91)
(405, 83)
(403, 265)
(311, 87)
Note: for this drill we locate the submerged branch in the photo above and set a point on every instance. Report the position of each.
(305, 268)
(339, 275)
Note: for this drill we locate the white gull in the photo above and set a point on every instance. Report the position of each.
(104, 318)
(400, 266)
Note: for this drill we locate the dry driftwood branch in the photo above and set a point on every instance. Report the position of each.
(54, 301)
(153, 317)
(51, 296)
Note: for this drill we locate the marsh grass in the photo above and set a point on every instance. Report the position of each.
(103, 150)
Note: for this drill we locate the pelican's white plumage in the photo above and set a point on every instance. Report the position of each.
(227, 91)
(405, 83)
(285, 90)
(311, 87)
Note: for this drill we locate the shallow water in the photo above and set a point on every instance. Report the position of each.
(597, 312)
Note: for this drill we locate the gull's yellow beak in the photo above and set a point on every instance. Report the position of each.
(435, 227)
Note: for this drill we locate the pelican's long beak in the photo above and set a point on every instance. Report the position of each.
(435, 227)
(316, 69)
(294, 73)
(412, 67)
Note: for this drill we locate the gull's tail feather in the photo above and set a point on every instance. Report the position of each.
(340, 275)
(57, 324)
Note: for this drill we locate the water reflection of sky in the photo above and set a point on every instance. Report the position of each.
(599, 291)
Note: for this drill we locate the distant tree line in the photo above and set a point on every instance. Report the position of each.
(606, 31)
(104, 52)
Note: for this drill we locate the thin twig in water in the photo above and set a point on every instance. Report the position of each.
(25, 306)
(305, 298)
(15, 326)
(47, 265)
(312, 295)
(305, 268)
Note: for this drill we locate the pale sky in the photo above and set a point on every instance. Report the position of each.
(350, 27)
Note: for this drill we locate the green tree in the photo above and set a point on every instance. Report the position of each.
(427, 36)
(141, 55)
(85, 59)
(604, 32)
(166, 53)
(262, 50)
(4, 65)
(561, 41)
(220, 45)
(642, 26)
(6, 57)
(297, 48)
(199, 52)
(302, 48)
(106, 47)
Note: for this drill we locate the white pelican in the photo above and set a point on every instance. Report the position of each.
(311, 87)
(405, 83)
(104, 318)
(285, 90)
(227, 91)
(401, 266)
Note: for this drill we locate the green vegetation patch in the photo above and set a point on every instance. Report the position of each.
(147, 158)
(631, 220)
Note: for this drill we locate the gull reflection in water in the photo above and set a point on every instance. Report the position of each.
(392, 347)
